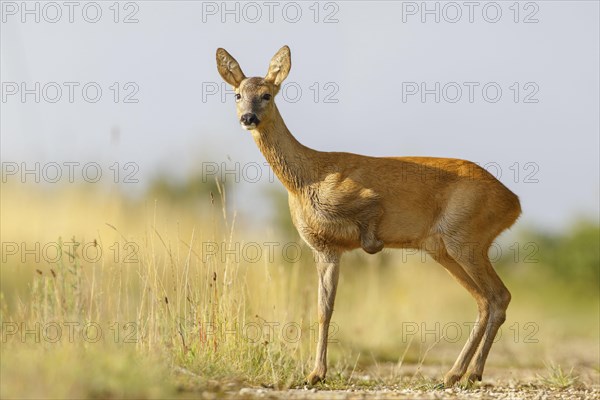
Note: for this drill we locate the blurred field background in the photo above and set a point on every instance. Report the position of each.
(170, 292)
(182, 287)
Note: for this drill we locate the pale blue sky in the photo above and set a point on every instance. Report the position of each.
(368, 61)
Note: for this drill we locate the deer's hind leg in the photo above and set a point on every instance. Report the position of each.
(500, 300)
(472, 256)
(438, 251)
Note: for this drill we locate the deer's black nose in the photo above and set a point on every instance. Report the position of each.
(249, 119)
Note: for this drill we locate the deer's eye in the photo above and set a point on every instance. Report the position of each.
(238, 96)
(266, 96)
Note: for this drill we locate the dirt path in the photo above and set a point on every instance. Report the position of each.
(498, 384)
(484, 392)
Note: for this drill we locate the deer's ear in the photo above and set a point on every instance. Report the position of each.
(229, 69)
(280, 65)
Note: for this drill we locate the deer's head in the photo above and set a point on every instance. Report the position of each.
(254, 96)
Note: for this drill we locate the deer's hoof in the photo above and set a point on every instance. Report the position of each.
(451, 378)
(474, 377)
(315, 377)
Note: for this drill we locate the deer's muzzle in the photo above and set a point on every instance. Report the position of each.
(249, 120)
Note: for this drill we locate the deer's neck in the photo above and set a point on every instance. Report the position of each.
(291, 161)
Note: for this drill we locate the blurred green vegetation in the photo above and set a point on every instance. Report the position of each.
(572, 256)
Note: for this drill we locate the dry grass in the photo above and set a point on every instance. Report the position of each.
(178, 315)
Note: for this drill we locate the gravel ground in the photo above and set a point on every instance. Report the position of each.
(483, 392)
(498, 384)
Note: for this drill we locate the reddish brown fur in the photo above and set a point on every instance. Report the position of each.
(452, 209)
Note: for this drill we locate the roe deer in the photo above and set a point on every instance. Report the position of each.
(450, 208)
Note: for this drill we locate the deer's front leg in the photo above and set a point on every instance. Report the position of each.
(328, 271)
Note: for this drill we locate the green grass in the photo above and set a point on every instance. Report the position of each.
(556, 377)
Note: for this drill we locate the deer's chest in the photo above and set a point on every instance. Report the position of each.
(325, 222)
